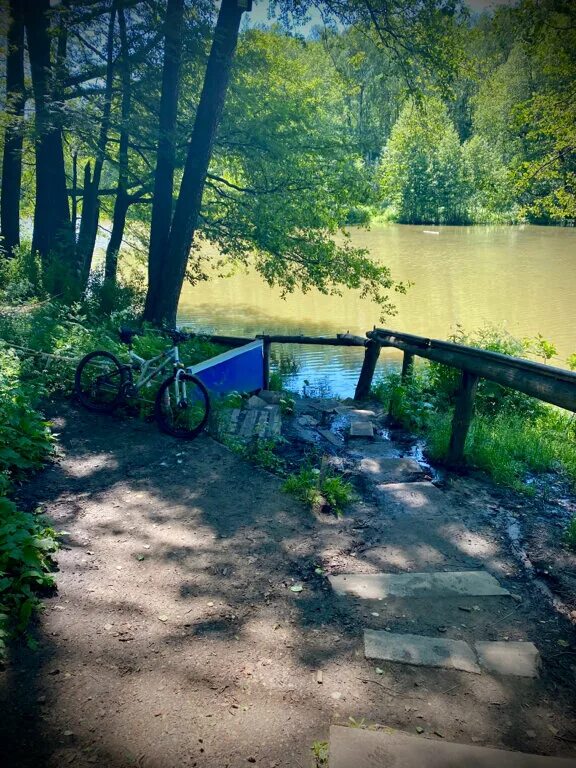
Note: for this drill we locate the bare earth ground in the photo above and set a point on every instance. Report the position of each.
(175, 640)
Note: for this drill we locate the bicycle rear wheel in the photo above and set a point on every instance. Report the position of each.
(98, 382)
(182, 407)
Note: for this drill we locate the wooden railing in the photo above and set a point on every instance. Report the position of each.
(545, 382)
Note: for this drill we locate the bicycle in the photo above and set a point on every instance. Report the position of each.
(182, 404)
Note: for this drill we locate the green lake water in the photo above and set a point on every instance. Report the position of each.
(522, 278)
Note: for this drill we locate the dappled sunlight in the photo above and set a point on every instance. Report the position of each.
(469, 542)
(94, 463)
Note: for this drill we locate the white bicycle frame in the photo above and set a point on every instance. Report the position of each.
(148, 369)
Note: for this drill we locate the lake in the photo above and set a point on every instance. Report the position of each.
(522, 278)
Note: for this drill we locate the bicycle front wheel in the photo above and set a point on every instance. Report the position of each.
(182, 406)
(98, 382)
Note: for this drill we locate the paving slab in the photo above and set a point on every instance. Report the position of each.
(331, 437)
(505, 658)
(360, 748)
(420, 650)
(361, 429)
(391, 470)
(373, 586)
(403, 499)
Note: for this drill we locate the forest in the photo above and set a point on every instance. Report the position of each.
(166, 125)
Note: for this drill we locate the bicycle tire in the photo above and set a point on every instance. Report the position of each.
(198, 398)
(115, 380)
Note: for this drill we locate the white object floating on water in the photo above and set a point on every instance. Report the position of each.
(430, 232)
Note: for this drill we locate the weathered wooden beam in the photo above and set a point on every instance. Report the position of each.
(547, 383)
(462, 418)
(266, 362)
(371, 356)
(341, 340)
(407, 365)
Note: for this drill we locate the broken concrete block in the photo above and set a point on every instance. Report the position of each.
(361, 429)
(391, 470)
(420, 650)
(270, 397)
(520, 659)
(332, 438)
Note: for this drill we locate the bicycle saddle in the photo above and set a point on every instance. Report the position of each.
(127, 334)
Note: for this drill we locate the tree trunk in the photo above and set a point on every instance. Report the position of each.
(171, 277)
(122, 200)
(90, 202)
(12, 158)
(51, 213)
(166, 152)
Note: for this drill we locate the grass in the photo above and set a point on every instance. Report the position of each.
(320, 754)
(320, 488)
(511, 436)
(570, 534)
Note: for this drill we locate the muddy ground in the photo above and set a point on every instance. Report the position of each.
(175, 639)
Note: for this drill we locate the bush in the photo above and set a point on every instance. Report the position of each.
(26, 544)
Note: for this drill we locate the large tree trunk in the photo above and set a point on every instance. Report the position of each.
(90, 202)
(51, 213)
(170, 279)
(12, 157)
(122, 200)
(166, 152)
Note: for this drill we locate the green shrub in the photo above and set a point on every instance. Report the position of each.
(26, 544)
(25, 438)
(26, 547)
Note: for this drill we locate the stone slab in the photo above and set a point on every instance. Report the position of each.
(331, 437)
(391, 470)
(360, 748)
(373, 586)
(271, 397)
(361, 429)
(402, 499)
(420, 650)
(519, 659)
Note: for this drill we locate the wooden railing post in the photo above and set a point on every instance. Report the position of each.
(407, 365)
(266, 361)
(371, 355)
(462, 417)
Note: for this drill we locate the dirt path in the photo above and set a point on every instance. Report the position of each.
(175, 639)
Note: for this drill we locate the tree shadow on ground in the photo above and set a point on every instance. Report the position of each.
(180, 641)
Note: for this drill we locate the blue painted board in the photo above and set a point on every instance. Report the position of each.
(239, 370)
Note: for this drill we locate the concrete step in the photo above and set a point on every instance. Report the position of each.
(420, 651)
(504, 658)
(360, 748)
(375, 586)
(390, 470)
(408, 499)
(361, 430)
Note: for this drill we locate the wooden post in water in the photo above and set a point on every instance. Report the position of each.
(266, 361)
(462, 417)
(371, 356)
(407, 365)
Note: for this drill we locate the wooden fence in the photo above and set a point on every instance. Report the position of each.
(545, 382)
